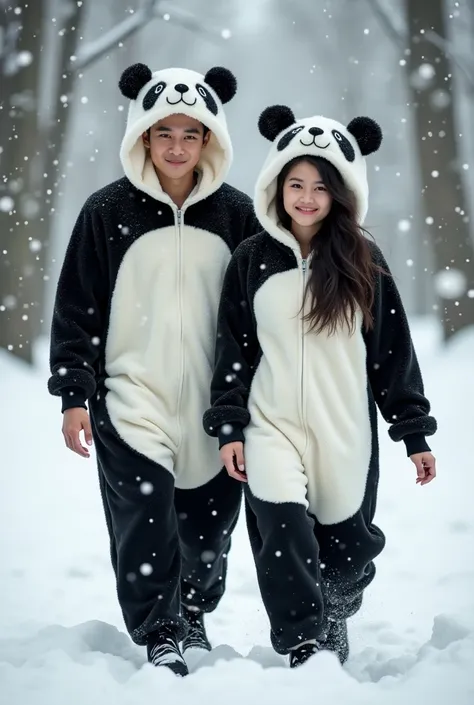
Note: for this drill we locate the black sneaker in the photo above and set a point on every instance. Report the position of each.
(300, 655)
(337, 640)
(164, 650)
(196, 638)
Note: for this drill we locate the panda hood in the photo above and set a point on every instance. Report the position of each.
(344, 147)
(154, 96)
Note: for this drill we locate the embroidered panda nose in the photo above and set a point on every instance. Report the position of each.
(181, 88)
(315, 131)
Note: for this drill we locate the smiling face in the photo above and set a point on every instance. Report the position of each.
(305, 197)
(175, 144)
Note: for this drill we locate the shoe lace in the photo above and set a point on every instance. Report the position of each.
(165, 651)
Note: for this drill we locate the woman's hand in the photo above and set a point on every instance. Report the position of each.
(425, 467)
(232, 456)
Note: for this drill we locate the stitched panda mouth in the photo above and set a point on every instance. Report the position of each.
(181, 100)
(314, 144)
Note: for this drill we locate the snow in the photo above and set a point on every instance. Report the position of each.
(61, 633)
(450, 283)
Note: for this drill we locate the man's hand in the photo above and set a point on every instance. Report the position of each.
(425, 467)
(232, 456)
(74, 421)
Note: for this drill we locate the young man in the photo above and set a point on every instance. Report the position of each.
(133, 334)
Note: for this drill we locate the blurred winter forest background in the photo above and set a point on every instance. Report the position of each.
(409, 64)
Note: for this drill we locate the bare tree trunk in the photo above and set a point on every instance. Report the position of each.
(429, 74)
(19, 204)
(55, 132)
(31, 170)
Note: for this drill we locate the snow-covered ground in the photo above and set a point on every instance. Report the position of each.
(62, 638)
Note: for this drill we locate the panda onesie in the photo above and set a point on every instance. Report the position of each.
(305, 403)
(133, 333)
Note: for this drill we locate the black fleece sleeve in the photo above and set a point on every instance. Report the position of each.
(236, 350)
(393, 369)
(78, 325)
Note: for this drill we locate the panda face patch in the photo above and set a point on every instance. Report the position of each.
(288, 137)
(319, 138)
(153, 94)
(207, 98)
(346, 148)
(180, 93)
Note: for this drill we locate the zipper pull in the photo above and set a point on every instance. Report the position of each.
(179, 217)
(303, 265)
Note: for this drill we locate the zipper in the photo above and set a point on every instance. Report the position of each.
(304, 266)
(179, 245)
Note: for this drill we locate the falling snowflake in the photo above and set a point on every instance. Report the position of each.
(35, 245)
(440, 99)
(404, 225)
(6, 204)
(450, 284)
(146, 569)
(24, 58)
(146, 488)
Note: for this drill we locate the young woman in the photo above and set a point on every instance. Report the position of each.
(312, 337)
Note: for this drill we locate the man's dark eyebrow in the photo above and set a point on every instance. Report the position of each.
(189, 131)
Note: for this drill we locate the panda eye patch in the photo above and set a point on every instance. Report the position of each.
(211, 104)
(344, 145)
(153, 94)
(287, 137)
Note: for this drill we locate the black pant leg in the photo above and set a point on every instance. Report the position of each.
(207, 517)
(108, 514)
(348, 550)
(138, 497)
(286, 555)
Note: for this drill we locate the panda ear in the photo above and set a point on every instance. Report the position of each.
(274, 120)
(133, 79)
(223, 82)
(367, 133)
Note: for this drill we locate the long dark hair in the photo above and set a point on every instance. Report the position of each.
(342, 275)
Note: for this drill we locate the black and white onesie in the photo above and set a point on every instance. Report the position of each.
(305, 404)
(133, 333)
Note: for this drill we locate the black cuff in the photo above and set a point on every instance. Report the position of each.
(73, 397)
(416, 443)
(230, 433)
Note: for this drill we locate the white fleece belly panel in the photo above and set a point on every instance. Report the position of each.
(309, 409)
(160, 349)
